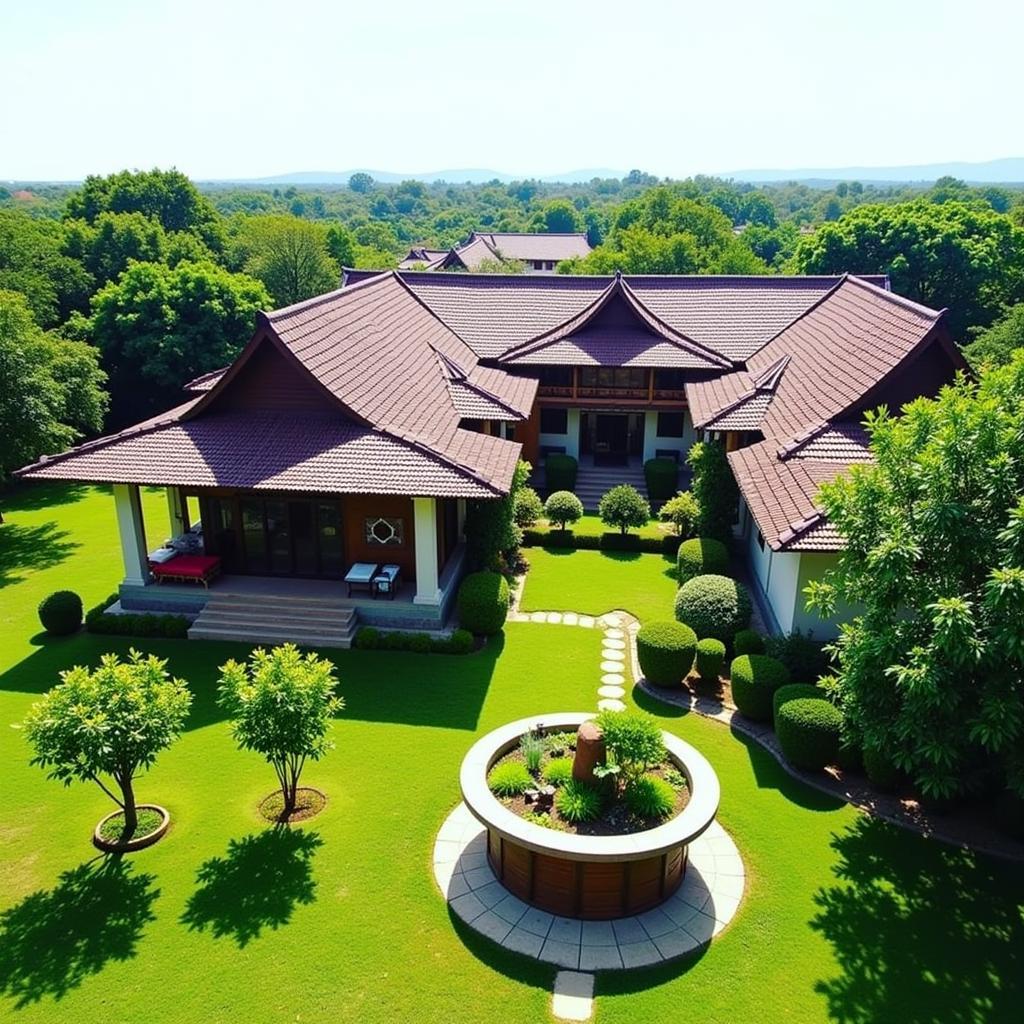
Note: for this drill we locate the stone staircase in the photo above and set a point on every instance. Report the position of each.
(593, 481)
(276, 619)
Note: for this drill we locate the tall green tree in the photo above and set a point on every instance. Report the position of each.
(51, 390)
(931, 670)
(158, 327)
(714, 489)
(952, 254)
(289, 255)
(106, 247)
(996, 344)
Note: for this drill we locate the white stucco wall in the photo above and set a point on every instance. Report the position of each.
(680, 444)
(570, 440)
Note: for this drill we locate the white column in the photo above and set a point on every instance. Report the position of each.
(174, 511)
(651, 434)
(425, 515)
(133, 533)
(572, 444)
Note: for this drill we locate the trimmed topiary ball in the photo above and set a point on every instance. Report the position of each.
(882, 773)
(701, 556)
(747, 641)
(483, 602)
(808, 730)
(709, 660)
(714, 606)
(563, 508)
(755, 678)
(793, 691)
(665, 651)
(61, 612)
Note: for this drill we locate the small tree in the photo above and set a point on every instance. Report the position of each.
(634, 740)
(714, 489)
(109, 722)
(682, 512)
(281, 704)
(624, 506)
(491, 531)
(528, 507)
(563, 507)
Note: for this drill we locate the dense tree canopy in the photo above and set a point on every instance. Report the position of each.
(931, 671)
(51, 390)
(994, 345)
(158, 327)
(950, 254)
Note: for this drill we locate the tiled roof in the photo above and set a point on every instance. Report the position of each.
(422, 257)
(746, 414)
(472, 254)
(279, 451)
(832, 442)
(541, 245)
(205, 381)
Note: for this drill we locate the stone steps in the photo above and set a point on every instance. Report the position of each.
(309, 621)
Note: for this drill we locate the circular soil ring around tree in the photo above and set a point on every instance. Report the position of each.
(309, 802)
(136, 842)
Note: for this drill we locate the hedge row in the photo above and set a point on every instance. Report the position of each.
(560, 472)
(370, 639)
(666, 545)
(174, 627)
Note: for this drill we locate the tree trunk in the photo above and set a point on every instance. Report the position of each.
(131, 814)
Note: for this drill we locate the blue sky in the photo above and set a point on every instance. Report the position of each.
(221, 88)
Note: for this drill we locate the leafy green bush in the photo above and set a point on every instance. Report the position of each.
(563, 508)
(665, 652)
(578, 801)
(804, 657)
(715, 489)
(510, 778)
(793, 691)
(559, 742)
(713, 606)
(700, 556)
(682, 512)
(420, 643)
(605, 542)
(483, 602)
(144, 624)
(709, 660)
(368, 638)
(634, 740)
(558, 771)
(460, 642)
(755, 678)
(61, 612)
(650, 797)
(808, 730)
(560, 473)
(748, 641)
(622, 507)
(850, 756)
(528, 507)
(661, 477)
(882, 773)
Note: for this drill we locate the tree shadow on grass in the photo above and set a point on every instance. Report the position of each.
(922, 932)
(32, 495)
(51, 941)
(257, 884)
(25, 549)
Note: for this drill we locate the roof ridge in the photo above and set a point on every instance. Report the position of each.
(425, 448)
(800, 440)
(796, 530)
(335, 293)
(897, 299)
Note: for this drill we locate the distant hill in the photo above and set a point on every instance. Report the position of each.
(1006, 171)
(476, 175)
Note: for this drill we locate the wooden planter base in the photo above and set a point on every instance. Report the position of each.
(139, 842)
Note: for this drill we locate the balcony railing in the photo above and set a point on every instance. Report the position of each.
(630, 393)
(555, 391)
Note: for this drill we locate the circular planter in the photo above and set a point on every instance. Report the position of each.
(139, 842)
(577, 875)
(317, 803)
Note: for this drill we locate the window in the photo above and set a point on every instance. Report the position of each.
(670, 424)
(385, 531)
(670, 379)
(554, 376)
(554, 421)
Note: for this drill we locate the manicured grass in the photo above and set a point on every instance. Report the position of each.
(591, 526)
(229, 919)
(593, 582)
(148, 821)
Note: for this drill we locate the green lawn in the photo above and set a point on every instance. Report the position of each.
(229, 920)
(599, 581)
(591, 526)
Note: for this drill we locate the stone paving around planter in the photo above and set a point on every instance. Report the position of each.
(703, 905)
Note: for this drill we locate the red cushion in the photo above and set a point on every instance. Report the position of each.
(188, 565)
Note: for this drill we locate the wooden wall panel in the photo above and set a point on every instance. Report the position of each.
(356, 509)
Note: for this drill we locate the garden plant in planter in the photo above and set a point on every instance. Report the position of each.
(111, 723)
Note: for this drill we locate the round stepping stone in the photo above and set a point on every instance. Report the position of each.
(610, 655)
(611, 619)
(611, 691)
(554, 618)
(615, 645)
(613, 679)
(610, 666)
(614, 634)
(610, 704)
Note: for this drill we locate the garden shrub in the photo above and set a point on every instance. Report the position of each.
(368, 638)
(531, 747)
(578, 801)
(709, 660)
(624, 506)
(661, 477)
(804, 657)
(559, 743)
(527, 506)
(701, 556)
(748, 641)
(143, 624)
(681, 511)
(715, 489)
(755, 678)
(665, 651)
(558, 771)
(634, 740)
(850, 756)
(794, 691)
(619, 542)
(605, 542)
(510, 778)
(61, 612)
(563, 507)
(420, 643)
(808, 730)
(560, 472)
(713, 606)
(483, 602)
(881, 771)
(460, 642)
(650, 797)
